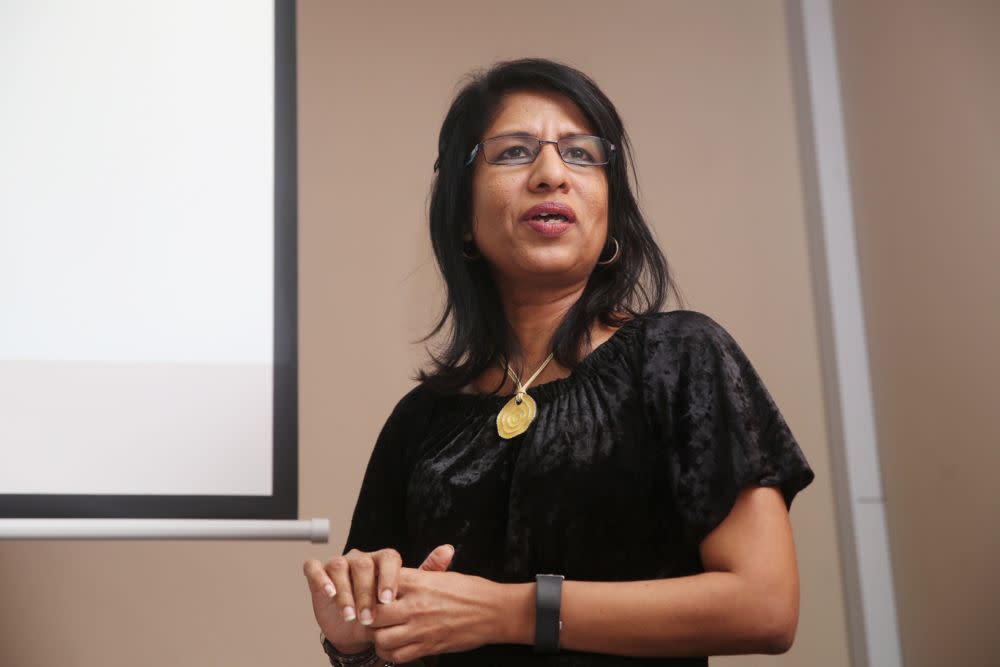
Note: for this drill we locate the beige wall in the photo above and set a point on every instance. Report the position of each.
(704, 88)
(921, 85)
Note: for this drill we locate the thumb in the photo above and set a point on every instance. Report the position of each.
(439, 559)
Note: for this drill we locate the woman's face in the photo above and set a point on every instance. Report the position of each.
(516, 250)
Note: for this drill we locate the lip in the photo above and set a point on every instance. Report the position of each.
(550, 208)
(551, 228)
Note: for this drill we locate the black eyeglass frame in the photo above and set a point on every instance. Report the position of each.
(541, 144)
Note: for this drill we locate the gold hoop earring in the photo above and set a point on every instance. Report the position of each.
(614, 258)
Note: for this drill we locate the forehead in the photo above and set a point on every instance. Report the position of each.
(540, 113)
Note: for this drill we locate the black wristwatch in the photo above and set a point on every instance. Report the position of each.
(548, 596)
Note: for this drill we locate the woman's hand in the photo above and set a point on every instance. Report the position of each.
(349, 582)
(436, 612)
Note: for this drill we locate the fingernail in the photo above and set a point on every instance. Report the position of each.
(366, 617)
(385, 596)
(349, 614)
(330, 590)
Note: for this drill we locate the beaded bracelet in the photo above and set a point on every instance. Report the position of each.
(366, 658)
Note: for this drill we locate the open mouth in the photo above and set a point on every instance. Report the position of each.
(550, 218)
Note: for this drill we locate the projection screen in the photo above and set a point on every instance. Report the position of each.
(148, 259)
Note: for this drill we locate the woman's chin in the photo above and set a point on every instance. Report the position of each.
(553, 264)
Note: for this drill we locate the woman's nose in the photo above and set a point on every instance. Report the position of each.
(548, 171)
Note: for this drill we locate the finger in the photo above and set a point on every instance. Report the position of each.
(389, 615)
(363, 584)
(387, 564)
(319, 582)
(438, 560)
(400, 654)
(338, 569)
(389, 640)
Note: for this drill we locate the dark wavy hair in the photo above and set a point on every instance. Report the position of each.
(480, 335)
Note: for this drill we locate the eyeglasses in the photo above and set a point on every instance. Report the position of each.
(581, 149)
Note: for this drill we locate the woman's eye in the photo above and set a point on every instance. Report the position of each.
(514, 152)
(577, 153)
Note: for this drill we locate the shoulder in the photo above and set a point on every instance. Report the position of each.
(687, 326)
(410, 414)
(413, 405)
(689, 343)
(407, 422)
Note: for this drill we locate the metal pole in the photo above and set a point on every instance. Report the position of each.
(316, 531)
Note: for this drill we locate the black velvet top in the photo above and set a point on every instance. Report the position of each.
(630, 462)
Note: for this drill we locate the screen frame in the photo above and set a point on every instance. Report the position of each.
(283, 501)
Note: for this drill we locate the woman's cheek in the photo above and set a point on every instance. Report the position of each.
(502, 205)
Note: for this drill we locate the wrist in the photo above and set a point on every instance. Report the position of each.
(351, 648)
(514, 614)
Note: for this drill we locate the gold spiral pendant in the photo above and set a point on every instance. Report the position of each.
(515, 418)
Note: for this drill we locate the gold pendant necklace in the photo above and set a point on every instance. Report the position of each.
(516, 416)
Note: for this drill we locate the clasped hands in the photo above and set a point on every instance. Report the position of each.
(420, 611)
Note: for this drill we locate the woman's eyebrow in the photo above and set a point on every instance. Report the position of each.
(524, 133)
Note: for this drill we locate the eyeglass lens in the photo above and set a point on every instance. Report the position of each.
(578, 149)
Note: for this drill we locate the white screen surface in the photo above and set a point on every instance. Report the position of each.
(136, 247)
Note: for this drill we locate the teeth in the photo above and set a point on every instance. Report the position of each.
(551, 216)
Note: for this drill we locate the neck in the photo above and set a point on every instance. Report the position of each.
(534, 315)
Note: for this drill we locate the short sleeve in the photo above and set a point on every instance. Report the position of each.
(379, 518)
(718, 426)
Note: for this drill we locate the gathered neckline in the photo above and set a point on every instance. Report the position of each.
(585, 368)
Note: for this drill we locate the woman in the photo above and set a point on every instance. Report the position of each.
(568, 427)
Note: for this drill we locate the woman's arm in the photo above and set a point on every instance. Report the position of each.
(746, 601)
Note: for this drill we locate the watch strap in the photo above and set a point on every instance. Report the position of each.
(548, 597)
